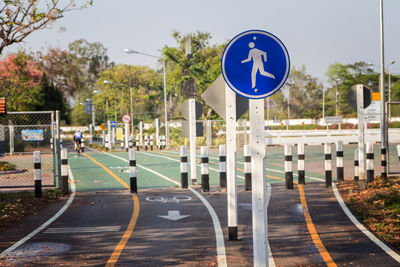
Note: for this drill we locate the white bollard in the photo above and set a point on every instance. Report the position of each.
(222, 166)
(328, 164)
(184, 167)
(288, 167)
(37, 165)
(370, 162)
(339, 161)
(300, 164)
(205, 179)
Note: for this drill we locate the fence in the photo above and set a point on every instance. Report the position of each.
(22, 133)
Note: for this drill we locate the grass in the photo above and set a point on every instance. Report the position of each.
(378, 207)
(15, 205)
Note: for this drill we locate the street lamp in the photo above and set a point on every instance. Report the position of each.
(131, 51)
(130, 92)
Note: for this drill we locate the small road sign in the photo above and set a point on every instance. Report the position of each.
(185, 109)
(113, 124)
(255, 64)
(214, 96)
(103, 126)
(126, 118)
(334, 119)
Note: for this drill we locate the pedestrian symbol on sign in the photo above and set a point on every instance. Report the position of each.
(259, 57)
(255, 64)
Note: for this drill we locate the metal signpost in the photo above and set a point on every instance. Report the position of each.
(255, 64)
(191, 110)
(230, 107)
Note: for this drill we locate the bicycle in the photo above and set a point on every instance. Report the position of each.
(78, 147)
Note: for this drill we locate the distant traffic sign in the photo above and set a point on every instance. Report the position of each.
(113, 124)
(103, 126)
(255, 64)
(126, 118)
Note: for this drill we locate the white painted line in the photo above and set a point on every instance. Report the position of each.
(354, 220)
(362, 228)
(221, 254)
(72, 230)
(270, 258)
(49, 221)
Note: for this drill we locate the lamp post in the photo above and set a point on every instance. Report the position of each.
(131, 51)
(130, 93)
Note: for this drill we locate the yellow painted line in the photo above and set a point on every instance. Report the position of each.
(313, 232)
(122, 243)
(108, 170)
(310, 225)
(132, 223)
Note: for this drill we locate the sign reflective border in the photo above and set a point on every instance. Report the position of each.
(255, 64)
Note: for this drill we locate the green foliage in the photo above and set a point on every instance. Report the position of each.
(343, 77)
(25, 86)
(192, 73)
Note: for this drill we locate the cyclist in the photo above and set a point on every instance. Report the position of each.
(78, 140)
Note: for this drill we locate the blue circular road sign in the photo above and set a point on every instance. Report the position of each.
(255, 64)
(113, 124)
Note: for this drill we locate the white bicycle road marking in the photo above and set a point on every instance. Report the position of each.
(220, 243)
(49, 221)
(270, 257)
(176, 199)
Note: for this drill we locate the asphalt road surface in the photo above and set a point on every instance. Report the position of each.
(164, 225)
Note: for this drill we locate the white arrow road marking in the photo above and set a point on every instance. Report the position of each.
(173, 215)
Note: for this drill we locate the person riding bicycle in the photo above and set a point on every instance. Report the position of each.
(78, 139)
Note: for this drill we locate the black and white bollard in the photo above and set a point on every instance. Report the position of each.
(339, 161)
(300, 164)
(64, 170)
(328, 164)
(356, 166)
(370, 162)
(222, 166)
(151, 142)
(37, 165)
(383, 163)
(247, 167)
(288, 167)
(132, 170)
(146, 142)
(82, 145)
(163, 141)
(205, 179)
(137, 143)
(184, 167)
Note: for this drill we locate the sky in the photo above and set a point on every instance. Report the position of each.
(316, 33)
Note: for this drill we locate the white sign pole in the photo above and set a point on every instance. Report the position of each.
(361, 140)
(259, 210)
(192, 136)
(126, 136)
(141, 133)
(157, 121)
(230, 97)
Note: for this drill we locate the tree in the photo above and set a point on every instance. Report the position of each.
(343, 77)
(20, 18)
(147, 94)
(76, 71)
(25, 86)
(191, 73)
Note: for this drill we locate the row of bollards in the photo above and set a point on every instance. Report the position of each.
(37, 172)
(327, 164)
(148, 143)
